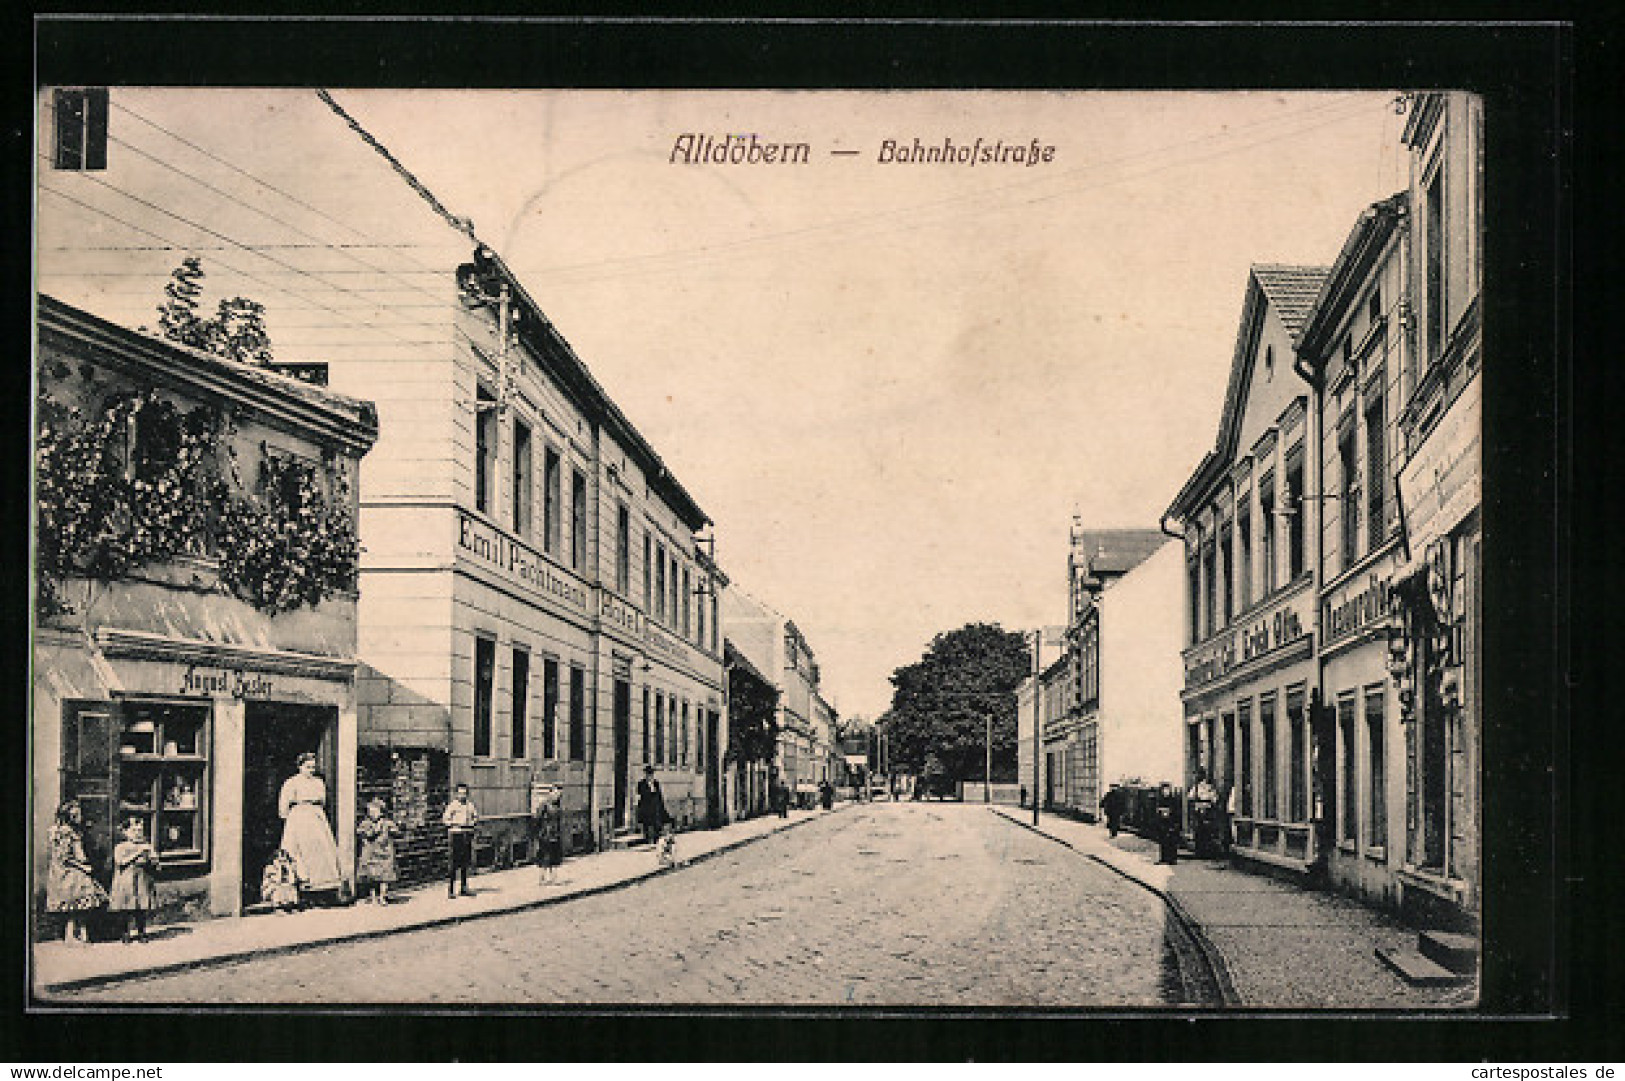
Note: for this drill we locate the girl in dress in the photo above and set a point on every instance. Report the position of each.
(70, 884)
(376, 862)
(306, 836)
(547, 811)
(133, 864)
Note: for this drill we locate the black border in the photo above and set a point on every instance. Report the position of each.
(1526, 73)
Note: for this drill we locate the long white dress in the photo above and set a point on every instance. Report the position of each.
(306, 835)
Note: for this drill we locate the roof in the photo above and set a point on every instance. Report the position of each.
(733, 658)
(1115, 551)
(1365, 243)
(1291, 291)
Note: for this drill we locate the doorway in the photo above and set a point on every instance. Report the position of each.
(623, 741)
(713, 770)
(274, 735)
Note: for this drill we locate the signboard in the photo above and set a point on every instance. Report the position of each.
(227, 682)
(618, 614)
(1268, 631)
(1441, 483)
(1356, 603)
(519, 563)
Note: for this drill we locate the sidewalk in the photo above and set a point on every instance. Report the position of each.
(1285, 947)
(60, 967)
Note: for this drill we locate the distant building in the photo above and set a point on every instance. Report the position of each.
(775, 647)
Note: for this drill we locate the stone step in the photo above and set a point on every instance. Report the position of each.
(1457, 952)
(626, 838)
(1415, 969)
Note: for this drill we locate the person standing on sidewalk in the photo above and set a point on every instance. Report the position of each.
(70, 882)
(375, 865)
(1167, 824)
(460, 818)
(547, 822)
(651, 806)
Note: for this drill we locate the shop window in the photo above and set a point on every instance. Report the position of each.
(1271, 778)
(578, 714)
(1267, 526)
(81, 129)
(485, 662)
(660, 729)
(551, 497)
(1227, 755)
(623, 549)
(521, 478)
(1296, 511)
(521, 703)
(1244, 726)
(1376, 471)
(578, 520)
(1297, 757)
(1350, 783)
(1348, 503)
(163, 757)
(485, 448)
(1376, 816)
(550, 707)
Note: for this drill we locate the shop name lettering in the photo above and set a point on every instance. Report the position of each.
(1267, 634)
(214, 681)
(1352, 613)
(618, 612)
(507, 554)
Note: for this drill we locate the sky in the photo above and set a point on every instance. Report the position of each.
(890, 385)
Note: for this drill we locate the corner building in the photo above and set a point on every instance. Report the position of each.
(1248, 514)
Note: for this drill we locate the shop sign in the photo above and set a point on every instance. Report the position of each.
(670, 648)
(224, 682)
(1440, 485)
(1265, 633)
(518, 561)
(616, 612)
(1356, 603)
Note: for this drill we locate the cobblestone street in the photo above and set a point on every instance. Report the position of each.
(887, 904)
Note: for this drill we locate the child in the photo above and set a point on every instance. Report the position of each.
(460, 818)
(668, 843)
(70, 886)
(375, 865)
(547, 813)
(133, 863)
(279, 884)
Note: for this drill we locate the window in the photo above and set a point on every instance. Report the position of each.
(699, 740)
(485, 448)
(1267, 526)
(162, 776)
(1244, 553)
(485, 662)
(646, 745)
(1193, 573)
(683, 735)
(1244, 725)
(1350, 817)
(1374, 306)
(660, 729)
(578, 519)
(672, 605)
(1376, 800)
(699, 613)
(688, 597)
(623, 549)
(1296, 508)
(81, 130)
(521, 478)
(1348, 503)
(648, 569)
(578, 714)
(1434, 268)
(1227, 568)
(1269, 362)
(660, 582)
(1210, 590)
(550, 708)
(1297, 757)
(714, 646)
(1271, 781)
(551, 496)
(521, 703)
(1376, 454)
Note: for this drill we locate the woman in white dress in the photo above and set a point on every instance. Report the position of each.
(307, 837)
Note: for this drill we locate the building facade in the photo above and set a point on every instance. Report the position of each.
(1248, 517)
(177, 684)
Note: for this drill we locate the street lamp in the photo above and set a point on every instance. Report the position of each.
(987, 766)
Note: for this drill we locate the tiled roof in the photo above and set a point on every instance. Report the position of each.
(1291, 291)
(1116, 551)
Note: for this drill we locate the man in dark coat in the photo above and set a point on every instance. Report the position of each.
(651, 806)
(1112, 804)
(1168, 824)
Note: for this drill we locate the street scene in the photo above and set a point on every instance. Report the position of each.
(561, 549)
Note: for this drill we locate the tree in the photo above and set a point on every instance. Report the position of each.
(941, 704)
(753, 722)
(237, 329)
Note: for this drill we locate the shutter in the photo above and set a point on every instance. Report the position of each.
(90, 772)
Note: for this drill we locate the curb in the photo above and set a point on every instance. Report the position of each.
(1218, 971)
(219, 960)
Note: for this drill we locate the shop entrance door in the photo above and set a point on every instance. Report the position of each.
(713, 770)
(623, 740)
(274, 735)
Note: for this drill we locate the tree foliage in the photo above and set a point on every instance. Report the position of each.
(753, 721)
(941, 703)
(236, 330)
